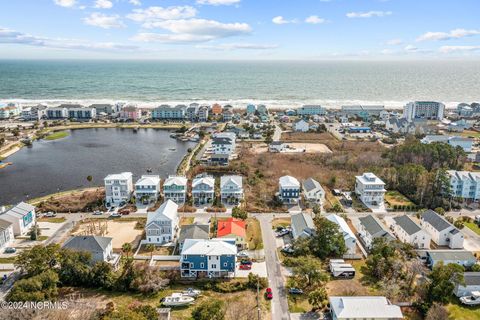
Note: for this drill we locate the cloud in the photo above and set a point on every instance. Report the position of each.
(410, 48)
(103, 4)
(135, 2)
(453, 34)
(452, 49)
(65, 3)
(218, 2)
(315, 20)
(281, 20)
(235, 46)
(154, 14)
(193, 30)
(104, 21)
(9, 36)
(394, 42)
(369, 14)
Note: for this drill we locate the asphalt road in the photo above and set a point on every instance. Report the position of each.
(275, 277)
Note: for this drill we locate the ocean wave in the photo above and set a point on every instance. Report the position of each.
(237, 103)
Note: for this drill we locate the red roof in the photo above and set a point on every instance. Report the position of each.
(231, 226)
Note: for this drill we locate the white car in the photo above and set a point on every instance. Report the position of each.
(242, 254)
(97, 213)
(282, 233)
(50, 214)
(115, 215)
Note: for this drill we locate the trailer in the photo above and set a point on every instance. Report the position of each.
(344, 272)
(333, 262)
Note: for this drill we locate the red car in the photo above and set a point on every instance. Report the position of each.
(124, 212)
(245, 267)
(269, 293)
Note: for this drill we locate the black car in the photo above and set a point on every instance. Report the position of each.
(295, 291)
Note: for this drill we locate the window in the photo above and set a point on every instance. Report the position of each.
(202, 265)
(224, 264)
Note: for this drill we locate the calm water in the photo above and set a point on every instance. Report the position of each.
(51, 166)
(282, 84)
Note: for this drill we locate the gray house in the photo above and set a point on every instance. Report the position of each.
(462, 257)
(471, 283)
(371, 228)
(193, 231)
(99, 247)
(302, 225)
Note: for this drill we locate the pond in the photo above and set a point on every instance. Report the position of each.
(52, 166)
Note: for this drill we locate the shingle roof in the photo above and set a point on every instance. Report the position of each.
(471, 278)
(435, 220)
(231, 226)
(448, 255)
(407, 224)
(194, 231)
(303, 223)
(374, 227)
(88, 243)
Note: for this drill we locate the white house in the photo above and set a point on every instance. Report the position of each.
(276, 146)
(289, 189)
(175, 189)
(370, 189)
(302, 225)
(443, 233)
(223, 146)
(6, 233)
(22, 217)
(203, 189)
(147, 188)
(464, 184)
(313, 191)
(162, 224)
(348, 235)
(99, 247)
(301, 125)
(361, 308)
(409, 231)
(455, 141)
(118, 188)
(471, 283)
(231, 189)
(371, 228)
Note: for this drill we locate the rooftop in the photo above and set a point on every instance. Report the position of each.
(407, 224)
(208, 247)
(168, 210)
(87, 243)
(20, 210)
(448, 255)
(194, 231)
(289, 182)
(435, 220)
(231, 226)
(364, 307)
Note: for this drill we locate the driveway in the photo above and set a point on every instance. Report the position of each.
(276, 280)
(258, 268)
(471, 240)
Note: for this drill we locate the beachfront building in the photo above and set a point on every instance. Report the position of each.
(162, 224)
(289, 190)
(193, 231)
(409, 231)
(147, 189)
(429, 110)
(262, 109)
(465, 110)
(313, 192)
(227, 114)
(310, 110)
(443, 233)
(167, 112)
(216, 109)
(251, 108)
(461, 257)
(22, 217)
(8, 111)
(208, 258)
(471, 282)
(361, 308)
(362, 110)
(118, 188)
(464, 184)
(191, 112)
(105, 108)
(370, 189)
(348, 235)
(130, 113)
(6, 233)
(301, 126)
(302, 225)
(370, 228)
(34, 113)
(203, 189)
(57, 113)
(175, 189)
(455, 141)
(233, 228)
(231, 189)
(100, 248)
(202, 115)
(79, 112)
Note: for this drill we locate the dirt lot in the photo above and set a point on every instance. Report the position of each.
(332, 170)
(295, 147)
(350, 287)
(121, 232)
(72, 201)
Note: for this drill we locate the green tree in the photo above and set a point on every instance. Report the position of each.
(437, 312)
(209, 310)
(317, 297)
(41, 287)
(34, 232)
(37, 259)
(307, 270)
(150, 248)
(127, 249)
(442, 281)
(239, 213)
(101, 275)
(89, 178)
(327, 241)
(440, 211)
(2, 141)
(74, 267)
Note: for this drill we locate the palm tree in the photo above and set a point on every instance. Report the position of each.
(150, 248)
(89, 178)
(127, 248)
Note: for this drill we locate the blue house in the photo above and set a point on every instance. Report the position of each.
(251, 108)
(359, 130)
(289, 190)
(208, 258)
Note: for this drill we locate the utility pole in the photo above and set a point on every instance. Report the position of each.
(258, 297)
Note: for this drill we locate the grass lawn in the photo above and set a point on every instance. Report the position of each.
(7, 260)
(57, 135)
(52, 219)
(281, 222)
(159, 250)
(254, 234)
(473, 226)
(460, 312)
(186, 220)
(470, 133)
(395, 198)
(298, 303)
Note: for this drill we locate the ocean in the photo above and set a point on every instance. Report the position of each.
(279, 84)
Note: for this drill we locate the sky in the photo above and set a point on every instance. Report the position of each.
(240, 29)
